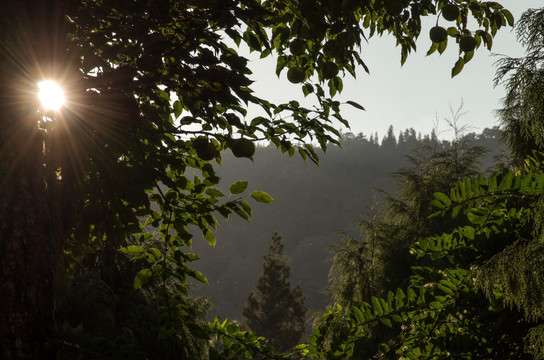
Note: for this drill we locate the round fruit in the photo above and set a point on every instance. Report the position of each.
(296, 75)
(450, 12)
(467, 43)
(242, 148)
(297, 47)
(200, 142)
(438, 34)
(204, 148)
(393, 7)
(330, 70)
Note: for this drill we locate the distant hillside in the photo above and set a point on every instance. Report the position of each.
(311, 205)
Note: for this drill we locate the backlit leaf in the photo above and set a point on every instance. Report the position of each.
(238, 187)
(142, 277)
(262, 197)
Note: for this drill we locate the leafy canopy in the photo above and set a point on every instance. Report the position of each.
(149, 79)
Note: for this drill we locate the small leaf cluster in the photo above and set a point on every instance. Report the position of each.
(490, 17)
(230, 342)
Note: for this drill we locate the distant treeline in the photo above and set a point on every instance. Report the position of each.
(312, 206)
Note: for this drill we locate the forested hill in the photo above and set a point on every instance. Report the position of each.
(312, 204)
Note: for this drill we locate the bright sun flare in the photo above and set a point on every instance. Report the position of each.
(50, 94)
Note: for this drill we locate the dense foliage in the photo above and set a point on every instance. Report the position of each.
(380, 261)
(479, 295)
(155, 92)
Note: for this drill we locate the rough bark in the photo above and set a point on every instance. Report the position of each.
(30, 226)
(28, 253)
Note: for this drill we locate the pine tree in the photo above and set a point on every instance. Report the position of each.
(389, 142)
(523, 79)
(381, 261)
(274, 309)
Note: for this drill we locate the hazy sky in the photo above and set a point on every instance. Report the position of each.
(415, 94)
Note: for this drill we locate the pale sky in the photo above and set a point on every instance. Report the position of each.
(415, 94)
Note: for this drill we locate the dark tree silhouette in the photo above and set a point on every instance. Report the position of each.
(274, 309)
(523, 79)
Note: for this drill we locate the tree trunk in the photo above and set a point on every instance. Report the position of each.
(28, 253)
(30, 226)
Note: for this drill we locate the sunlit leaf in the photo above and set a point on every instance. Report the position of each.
(262, 197)
(142, 277)
(238, 187)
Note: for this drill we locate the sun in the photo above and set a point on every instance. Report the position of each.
(51, 95)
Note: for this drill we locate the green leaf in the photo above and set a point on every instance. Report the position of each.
(154, 253)
(238, 187)
(209, 236)
(356, 105)
(442, 46)
(213, 192)
(432, 49)
(506, 183)
(457, 67)
(377, 306)
(400, 296)
(445, 289)
(253, 41)
(200, 277)
(358, 314)
(468, 187)
(133, 250)
(469, 232)
(386, 322)
(244, 204)
(509, 17)
(142, 277)
(437, 204)
(232, 328)
(443, 198)
(455, 211)
(452, 31)
(262, 197)
(178, 108)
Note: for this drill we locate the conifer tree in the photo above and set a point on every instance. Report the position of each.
(381, 261)
(274, 309)
(523, 79)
